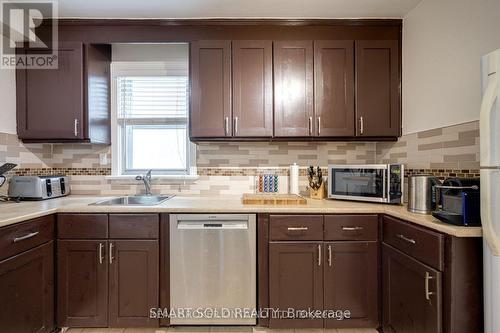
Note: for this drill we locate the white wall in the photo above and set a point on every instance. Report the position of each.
(172, 52)
(7, 101)
(443, 41)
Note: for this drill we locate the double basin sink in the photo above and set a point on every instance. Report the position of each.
(135, 200)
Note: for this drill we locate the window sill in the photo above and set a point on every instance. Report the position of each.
(153, 177)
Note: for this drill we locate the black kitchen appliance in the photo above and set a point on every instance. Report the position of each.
(4, 169)
(460, 202)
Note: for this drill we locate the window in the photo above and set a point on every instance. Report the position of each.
(151, 119)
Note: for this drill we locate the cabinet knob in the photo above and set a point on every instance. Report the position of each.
(226, 125)
(101, 256)
(111, 257)
(319, 255)
(235, 125)
(319, 125)
(75, 129)
(310, 125)
(427, 292)
(330, 255)
(361, 125)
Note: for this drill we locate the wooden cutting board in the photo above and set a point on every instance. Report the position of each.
(273, 199)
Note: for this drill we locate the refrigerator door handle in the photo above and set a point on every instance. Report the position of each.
(489, 211)
(487, 124)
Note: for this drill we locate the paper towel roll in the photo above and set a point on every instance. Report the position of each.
(294, 179)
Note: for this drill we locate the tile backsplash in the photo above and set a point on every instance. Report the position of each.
(231, 167)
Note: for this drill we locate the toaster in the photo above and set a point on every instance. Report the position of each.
(38, 187)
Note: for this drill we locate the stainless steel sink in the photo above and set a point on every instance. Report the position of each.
(136, 200)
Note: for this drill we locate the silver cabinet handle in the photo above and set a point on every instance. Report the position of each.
(226, 125)
(297, 228)
(319, 254)
(30, 235)
(427, 292)
(361, 125)
(319, 125)
(75, 129)
(101, 256)
(352, 228)
(330, 255)
(111, 258)
(235, 125)
(406, 239)
(310, 125)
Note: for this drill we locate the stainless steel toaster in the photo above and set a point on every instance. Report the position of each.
(39, 187)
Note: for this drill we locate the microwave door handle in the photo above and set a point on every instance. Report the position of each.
(384, 176)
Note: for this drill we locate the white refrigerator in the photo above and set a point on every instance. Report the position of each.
(490, 188)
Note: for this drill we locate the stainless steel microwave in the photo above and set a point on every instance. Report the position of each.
(371, 182)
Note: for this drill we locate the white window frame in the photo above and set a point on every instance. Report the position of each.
(118, 163)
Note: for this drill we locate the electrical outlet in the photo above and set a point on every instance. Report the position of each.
(103, 159)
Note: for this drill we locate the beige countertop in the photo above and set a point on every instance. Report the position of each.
(16, 212)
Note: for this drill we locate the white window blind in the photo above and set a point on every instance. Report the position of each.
(152, 121)
(152, 96)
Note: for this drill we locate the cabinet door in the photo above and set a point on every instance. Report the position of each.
(412, 294)
(27, 291)
(334, 88)
(295, 281)
(211, 89)
(252, 88)
(293, 88)
(351, 283)
(378, 98)
(82, 283)
(133, 277)
(50, 103)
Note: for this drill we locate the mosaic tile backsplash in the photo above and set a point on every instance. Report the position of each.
(231, 167)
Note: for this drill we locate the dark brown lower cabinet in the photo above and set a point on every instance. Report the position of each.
(351, 283)
(82, 283)
(295, 281)
(27, 290)
(133, 282)
(412, 294)
(107, 283)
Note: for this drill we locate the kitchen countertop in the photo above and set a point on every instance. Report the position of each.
(17, 212)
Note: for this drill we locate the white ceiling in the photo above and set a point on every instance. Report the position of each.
(235, 8)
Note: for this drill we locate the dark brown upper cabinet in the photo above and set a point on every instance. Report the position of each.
(378, 94)
(252, 88)
(210, 89)
(293, 89)
(70, 103)
(351, 283)
(334, 88)
(295, 281)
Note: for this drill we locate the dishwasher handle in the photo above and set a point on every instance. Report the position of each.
(212, 225)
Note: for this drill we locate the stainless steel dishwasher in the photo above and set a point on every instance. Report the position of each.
(212, 269)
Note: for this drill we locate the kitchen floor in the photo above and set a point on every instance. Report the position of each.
(220, 329)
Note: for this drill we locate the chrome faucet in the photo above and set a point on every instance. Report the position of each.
(147, 181)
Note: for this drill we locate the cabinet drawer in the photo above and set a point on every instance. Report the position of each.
(351, 227)
(422, 244)
(134, 225)
(82, 226)
(296, 227)
(20, 237)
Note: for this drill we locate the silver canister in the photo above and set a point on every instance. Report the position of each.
(422, 193)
